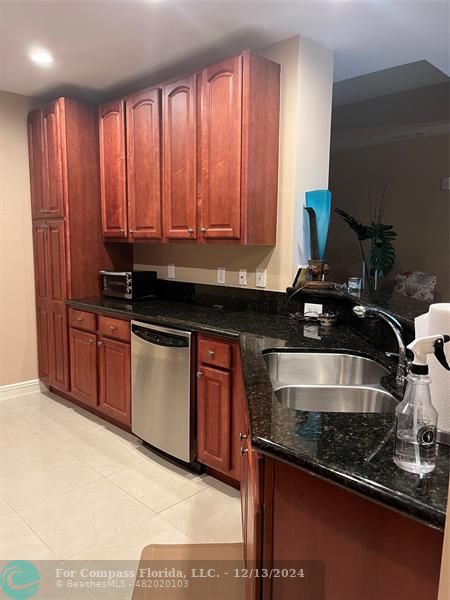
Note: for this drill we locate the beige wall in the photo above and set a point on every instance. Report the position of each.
(411, 170)
(18, 361)
(306, 77)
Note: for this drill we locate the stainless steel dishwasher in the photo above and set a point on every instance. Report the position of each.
(161, 389)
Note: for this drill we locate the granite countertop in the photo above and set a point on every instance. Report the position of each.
(352, 450)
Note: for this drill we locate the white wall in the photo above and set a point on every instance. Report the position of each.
(18, 353)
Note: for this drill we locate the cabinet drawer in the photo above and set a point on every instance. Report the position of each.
(82, 319)
(213, 352)
(114, 328)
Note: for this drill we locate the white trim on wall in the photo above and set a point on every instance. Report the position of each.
(18, 389)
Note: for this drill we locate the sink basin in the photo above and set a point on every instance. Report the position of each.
(336, 398)
(328, 382)
(321, 368)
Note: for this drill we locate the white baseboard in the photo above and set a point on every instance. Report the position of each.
(20, 388)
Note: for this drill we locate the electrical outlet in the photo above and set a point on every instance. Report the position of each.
(170, 271)
(310, 307)
(221, 275)
(261, 276)
(243, 277)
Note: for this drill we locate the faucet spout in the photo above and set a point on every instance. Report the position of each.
(361, 311)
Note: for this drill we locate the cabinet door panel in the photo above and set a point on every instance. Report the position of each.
(115, 380)
(180, 159)
(83, 366)
(42, 300)
(112, 170)
(53, 189)
(221, 137)
(36, 155)
(214, 419)
(59, 351)
(143, 112)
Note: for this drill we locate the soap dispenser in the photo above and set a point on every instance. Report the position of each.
(416, 417)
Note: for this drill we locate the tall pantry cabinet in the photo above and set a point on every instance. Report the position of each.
(68, 247)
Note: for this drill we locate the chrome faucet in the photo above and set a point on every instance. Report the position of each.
(402, 367)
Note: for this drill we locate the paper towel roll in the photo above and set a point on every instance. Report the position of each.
(439, 322)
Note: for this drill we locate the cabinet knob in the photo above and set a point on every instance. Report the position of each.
(131, 231)
(211, 353)
(99, 343)
(190, 230)
(244, 451)
(91, 341)
(243, 436)
(112, 327)
(199, 374)
(203, 229)
(79, 319)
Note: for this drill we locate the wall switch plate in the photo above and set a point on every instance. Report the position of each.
(310, 307)
(243, 277)
(261, 277)
(171, 271)
(221, 275)
(445, 184)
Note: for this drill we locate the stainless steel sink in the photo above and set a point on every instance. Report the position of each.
(328, 382)
(336, 398)
(321, 368)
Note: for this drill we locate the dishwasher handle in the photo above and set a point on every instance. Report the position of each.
(159, 338)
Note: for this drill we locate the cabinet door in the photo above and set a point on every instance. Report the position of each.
(221, 124)
(143, 113)
(214, 419)
(57, 285)
(180, 159)
(115, 379)
(36, 158)
(83, 366)
(112, 170)
(42, 300)
(54, 153)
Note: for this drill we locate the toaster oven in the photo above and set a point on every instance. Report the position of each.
(129, 285)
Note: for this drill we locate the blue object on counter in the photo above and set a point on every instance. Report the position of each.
(320, 201)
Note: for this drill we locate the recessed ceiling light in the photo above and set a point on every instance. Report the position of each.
(41, 57)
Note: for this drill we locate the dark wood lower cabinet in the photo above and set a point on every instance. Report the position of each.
(83, 366)
(101, 365)
(114, 370)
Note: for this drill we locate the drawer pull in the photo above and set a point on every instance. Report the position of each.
(113, 327)
(243, 436)
(79, 319)
(244, 451)
(211, 353)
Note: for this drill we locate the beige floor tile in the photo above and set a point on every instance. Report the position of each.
(42, 478)
(18, 402)
(102, 450)
(18, 446)
(212, 516)
(157, 486)
(18, 541)
(128, 544)
(84, 517)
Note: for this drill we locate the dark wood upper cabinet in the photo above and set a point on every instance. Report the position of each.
(36, 156)
(221, 130)
(240, 100)
(54, 190)
(113, 170)
(180, 158)
(144, 156)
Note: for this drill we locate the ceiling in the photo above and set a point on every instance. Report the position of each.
(102, 46)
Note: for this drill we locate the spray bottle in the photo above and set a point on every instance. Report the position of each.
(415, 441)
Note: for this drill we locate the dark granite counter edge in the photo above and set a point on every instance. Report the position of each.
(367, 489)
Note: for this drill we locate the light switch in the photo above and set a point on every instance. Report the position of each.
(171, 271)
(261, 276)
(445, 184)
(221, 275)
